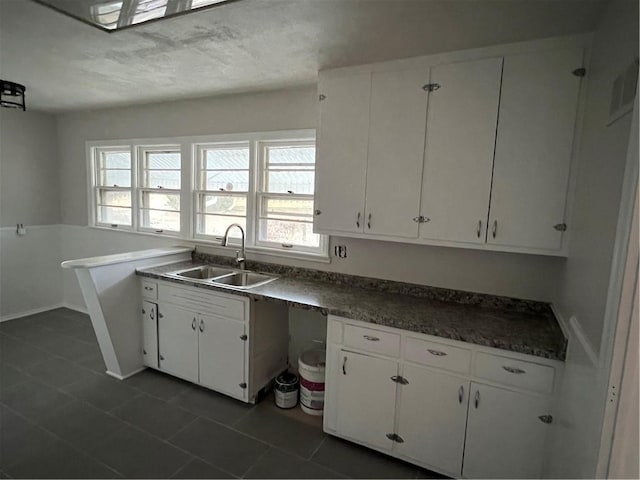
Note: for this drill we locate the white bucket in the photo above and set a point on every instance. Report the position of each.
(311, 366)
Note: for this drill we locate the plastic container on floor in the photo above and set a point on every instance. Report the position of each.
(311, 366)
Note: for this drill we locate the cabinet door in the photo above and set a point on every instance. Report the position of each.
(533, 148)
(150, 334)
(396, 152)
(505, 436)
(461, 133)
(366, 398)
(178, 341)
(432, 416)
(341, 163)
(222, 355)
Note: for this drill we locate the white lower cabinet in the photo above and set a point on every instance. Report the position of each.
(367, 398)
(432, 415)
(506, 431)
(452, 423)
(224, 342)
(150, 334)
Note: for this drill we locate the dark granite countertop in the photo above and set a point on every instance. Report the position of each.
(499, 322)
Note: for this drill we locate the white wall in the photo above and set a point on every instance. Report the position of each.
(29, 194)
(523, 276)
(578, 409)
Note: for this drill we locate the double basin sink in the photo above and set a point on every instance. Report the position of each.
(223, 277)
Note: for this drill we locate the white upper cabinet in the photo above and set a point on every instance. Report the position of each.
(396, 151)
(342, 153)
(461, 132)
(534, 144)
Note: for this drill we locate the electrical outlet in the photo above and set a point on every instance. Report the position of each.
(340, 251)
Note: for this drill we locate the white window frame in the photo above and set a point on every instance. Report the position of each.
(189, 148)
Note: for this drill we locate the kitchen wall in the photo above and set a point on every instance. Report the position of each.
(29, 194)
(582, 296)
(524, 276)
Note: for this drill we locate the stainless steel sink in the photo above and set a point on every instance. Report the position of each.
(204, 272)
(243, 280)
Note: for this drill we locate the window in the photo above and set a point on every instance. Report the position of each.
(160, 170)
(195, 187)
(285, 196)
(112, 186)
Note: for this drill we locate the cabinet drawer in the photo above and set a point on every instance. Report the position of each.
(517, 373)
(372, 340)
(437, 355)
(204, 301)
(149, 290)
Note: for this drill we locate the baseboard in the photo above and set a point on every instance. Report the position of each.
(26, 313)
(124, 377)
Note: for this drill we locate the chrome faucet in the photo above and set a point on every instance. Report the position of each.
(240, 254)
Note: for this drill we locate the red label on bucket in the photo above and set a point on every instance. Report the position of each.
(315, 386)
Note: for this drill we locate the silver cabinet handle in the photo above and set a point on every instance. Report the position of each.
(460, 393)
(193, 324)
(517, 371)
(358, 220)
(202, 325)
(152, 314)
(369, 222)
(494, 232)
(344, 366)
(476, 400)
(479, 230)
(148, 288)
(437, 353)
(546, 418)
(370, 338)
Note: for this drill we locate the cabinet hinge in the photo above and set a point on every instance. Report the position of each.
(322, 97)
(399, 379)
(143, 311)
(160, 315)
(421, 219)
(243, 337)
(561, 227)
(431, 87)
(394, 437)
(580, 72)
(546, 418)
(317, 212)
(243, 385)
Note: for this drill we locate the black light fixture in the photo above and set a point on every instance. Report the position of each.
(12, 95)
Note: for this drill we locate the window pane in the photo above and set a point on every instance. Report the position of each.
(216, 225)
(291, 155)
(223, 204)
(116, 199)
(295, 233)
(163, 160)
(121, 178)
(161, 201)
(160, 220)
(227, 158)
(287, 208)
(162, 178)
(114, 215)
(282, 181)
(115, 160)
(230, 181)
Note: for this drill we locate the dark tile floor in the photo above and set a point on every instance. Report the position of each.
(61, 416)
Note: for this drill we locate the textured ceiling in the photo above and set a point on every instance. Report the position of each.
(252, 45)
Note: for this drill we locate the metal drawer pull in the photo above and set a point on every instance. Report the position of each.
(193, 324)
(371, 339)
(495, 228)
(344, 366)
(476, 401)
(369, 222)
(152, 314)
(394, 437)
(437, 353)
(517, 371)
(399, 379)
(479, 228)
(546, 418)
(358, 220)
(460, 393)
(202, 325)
